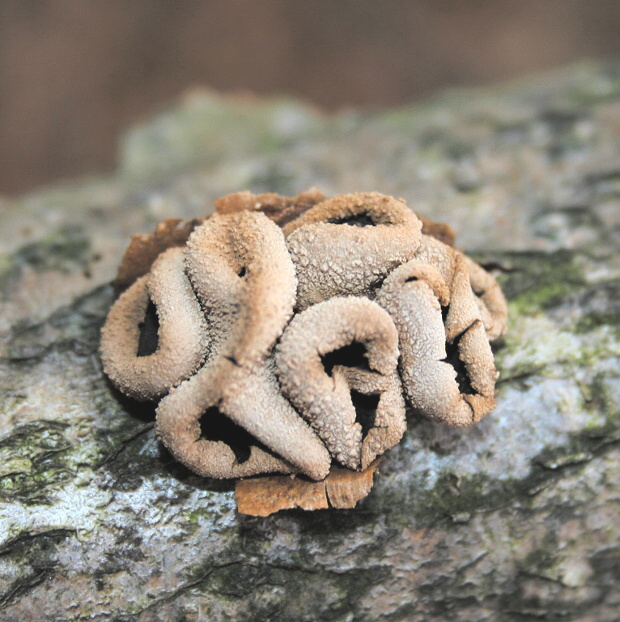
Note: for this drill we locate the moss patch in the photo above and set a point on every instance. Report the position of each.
(535, 281)
(35, 457)
(66, 250)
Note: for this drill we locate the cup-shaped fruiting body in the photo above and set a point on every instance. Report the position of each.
(245, 280)
(229, 422)
(379, 408)
(447, 378)
(243, 275)
(155, 335)
(463, 274)
(284, 334)
(490, 298)
(348, 244)
(338, 334)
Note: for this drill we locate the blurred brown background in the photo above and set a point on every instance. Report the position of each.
(74, 73)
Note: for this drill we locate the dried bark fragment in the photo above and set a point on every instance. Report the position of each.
(281, 210)
(341, 489)
(143, 250)
(263, 496)
(438, 230)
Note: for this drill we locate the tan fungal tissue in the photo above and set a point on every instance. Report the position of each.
(287, 338)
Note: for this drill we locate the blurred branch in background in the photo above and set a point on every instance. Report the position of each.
(74, 74)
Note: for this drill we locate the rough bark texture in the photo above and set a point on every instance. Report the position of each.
(515, 518)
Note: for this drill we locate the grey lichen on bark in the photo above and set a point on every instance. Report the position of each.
(512, 519)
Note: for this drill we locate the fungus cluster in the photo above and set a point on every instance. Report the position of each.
(281, 335)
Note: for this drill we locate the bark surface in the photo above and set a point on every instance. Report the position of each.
(515, 518)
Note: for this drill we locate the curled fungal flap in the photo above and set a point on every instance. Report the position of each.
(182, 340)
(445, 380)
(244, 277)
(353, 332)
(184, 418)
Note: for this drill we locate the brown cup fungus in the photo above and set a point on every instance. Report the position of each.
(289, 335)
